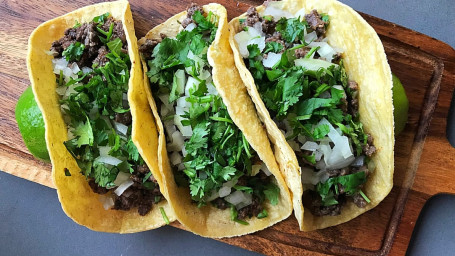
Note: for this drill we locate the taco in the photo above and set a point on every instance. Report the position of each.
(319, 77)
(217, 164)
(85, 73)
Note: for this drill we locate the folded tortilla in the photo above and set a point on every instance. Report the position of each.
(208, 220)
(366, 63)
(77, 199)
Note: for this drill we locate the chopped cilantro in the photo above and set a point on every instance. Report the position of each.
(102, 18)
(291, 29)
(74, 51)
(165, 218)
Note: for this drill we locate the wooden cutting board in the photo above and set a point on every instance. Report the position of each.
(424, 160)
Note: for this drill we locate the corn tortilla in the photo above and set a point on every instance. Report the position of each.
(77, 199)
(209, 221)
(366, 63)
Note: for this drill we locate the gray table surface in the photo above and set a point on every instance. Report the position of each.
(32, 222)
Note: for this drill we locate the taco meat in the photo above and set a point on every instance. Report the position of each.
(92, 68)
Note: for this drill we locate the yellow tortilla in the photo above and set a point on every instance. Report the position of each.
(77, 199)
(208, 220)
(366, 63)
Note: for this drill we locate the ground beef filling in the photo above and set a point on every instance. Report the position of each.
(88, 35)
(137, 195)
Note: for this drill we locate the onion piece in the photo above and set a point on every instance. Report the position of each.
(313, 64)
(190, 83)
(235, 198)
(175, 158)
(358, 162)
(190, 27)
(277, 13)
(310, 146)
(294, 145)
(247, 201)
(300, 13)
(224, 191)
(310, 37)
(124, 186)
(108, 160)
(121, 178)
(180, 80)
(107, 201)
(177, 142)
(185, 130)
(121, 128)
(272, 59)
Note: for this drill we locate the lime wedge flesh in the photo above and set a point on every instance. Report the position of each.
(400, 105)
(31, 125)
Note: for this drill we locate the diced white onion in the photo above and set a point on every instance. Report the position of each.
(247, 201)
(313, 64)
(107, 201)
(224, 191)
(164, 110)
(310, 146)
(236, 197)
(169, 127)
(121, 128)
(358, 162)
(272, 59)
(310, 37)
(190, 27)
(211, 89)
(86, 70)
(121, 178)
(242, 39)
(300, 13)
(176, 142)
(309, 176)
(276, 12)
(124, 186)
(325, 95)
(318, 155)
(245, 38)
(190, 83)
(258, 27)
(185, 130)
(325, 50)
(175, 158)
(165, 100)
(108, 160)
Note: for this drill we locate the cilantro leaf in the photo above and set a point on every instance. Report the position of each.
(102, 18)
(133, 153)
(291, 29)
(273, 47)
(84, 133)
(74, 51)
(227, 172)
(272, 193)
(115, 46)
(351, 185)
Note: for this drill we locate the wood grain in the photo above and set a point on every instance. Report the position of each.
(423, 157)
